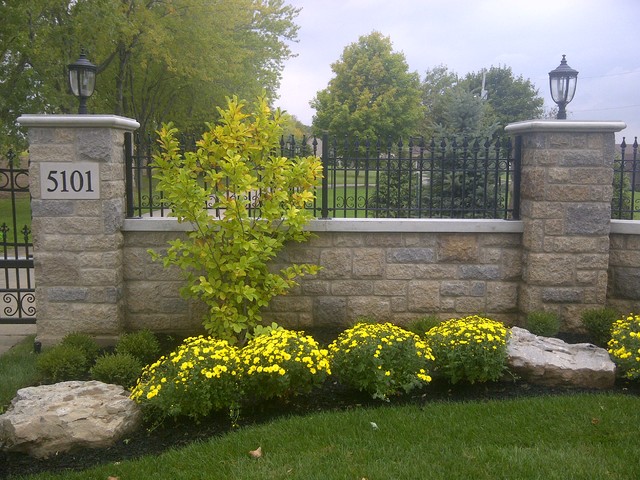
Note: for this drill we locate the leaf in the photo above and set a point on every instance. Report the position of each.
(257, 453)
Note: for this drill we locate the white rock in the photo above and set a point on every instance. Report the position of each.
(48, 419)
(550, 361)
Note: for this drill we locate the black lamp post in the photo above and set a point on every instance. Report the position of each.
(562, 82)
(82, 80)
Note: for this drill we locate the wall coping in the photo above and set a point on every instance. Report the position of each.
(625, 227)
(355, 225)
(78, 121)
(564, 126)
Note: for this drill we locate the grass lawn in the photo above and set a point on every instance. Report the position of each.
(17, 370)
(583, 436)
(23, 213)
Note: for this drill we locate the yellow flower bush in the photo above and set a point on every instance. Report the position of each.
(624, 345)
(281, 363)
(199, 377)
(380, 359)
(472, 349)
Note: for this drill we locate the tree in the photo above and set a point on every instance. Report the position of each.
(257, 203)
(511, 98)
(157, 60)
(457, 106)
(372, 93)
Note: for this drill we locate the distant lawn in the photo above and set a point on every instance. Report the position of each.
(582, 436)
(17, 370)
(23, 214)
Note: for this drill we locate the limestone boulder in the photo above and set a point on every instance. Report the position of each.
(49, 419)
(552, 362)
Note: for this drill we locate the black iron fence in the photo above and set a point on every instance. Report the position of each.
(625, 204)
(17, 286)
(470, 178)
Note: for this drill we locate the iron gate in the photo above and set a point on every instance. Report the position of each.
(17, 286)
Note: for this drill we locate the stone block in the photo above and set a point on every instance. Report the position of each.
(411, 255)
(562, 295)
(368, 262)
(432, 271)
(336, 263)
(548, 270)
(348, 240)
(423, 296)
(314, 287)
(454, 288)
(502, 297)
(377, 308)
(479, 272)
(398, 271)
(383, 240)
(588, 219)
(387, 288)
(330, 311)
(626, 283)
(351, 287)
(458, 248)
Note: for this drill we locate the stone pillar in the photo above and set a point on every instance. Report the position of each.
(77, 183)
(566, 190)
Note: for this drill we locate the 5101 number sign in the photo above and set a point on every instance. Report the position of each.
(73, 181)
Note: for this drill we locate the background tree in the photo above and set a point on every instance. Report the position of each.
(511, 98)
(157, 60)
(372, 93)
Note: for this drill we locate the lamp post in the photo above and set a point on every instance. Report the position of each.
(562, 82)
(82, 80)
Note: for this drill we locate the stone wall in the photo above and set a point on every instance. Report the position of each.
(395, 270)
(623, 293)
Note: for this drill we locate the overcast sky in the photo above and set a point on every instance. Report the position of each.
(601, 39)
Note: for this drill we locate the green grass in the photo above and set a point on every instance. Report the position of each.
(23, 212)
(17, 370)
(583, 436)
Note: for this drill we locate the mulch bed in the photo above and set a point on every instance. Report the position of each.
(331, 397)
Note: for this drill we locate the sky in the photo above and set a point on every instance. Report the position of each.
(601, 39)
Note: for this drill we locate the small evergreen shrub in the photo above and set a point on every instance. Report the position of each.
(624, 346)
(545, 324)
(197, 378)
(281, 363)
(117, 368)
(143, 345)
(599, 322)
(62, 363)
(471, 349)
(423, 325)
(380, 359)
(84, 342)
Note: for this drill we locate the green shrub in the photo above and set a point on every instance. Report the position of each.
(281, 363)
(546, 324)
(471, 349)
(142, 345)
(598, 323)
(226, 260)
(84, 342)
(423, 325)
(62, 363)
(380, 359)
(117, 368)
(197, 378)
(624, 345)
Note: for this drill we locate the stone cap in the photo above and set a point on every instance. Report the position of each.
(564, 126)
(78, 121)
